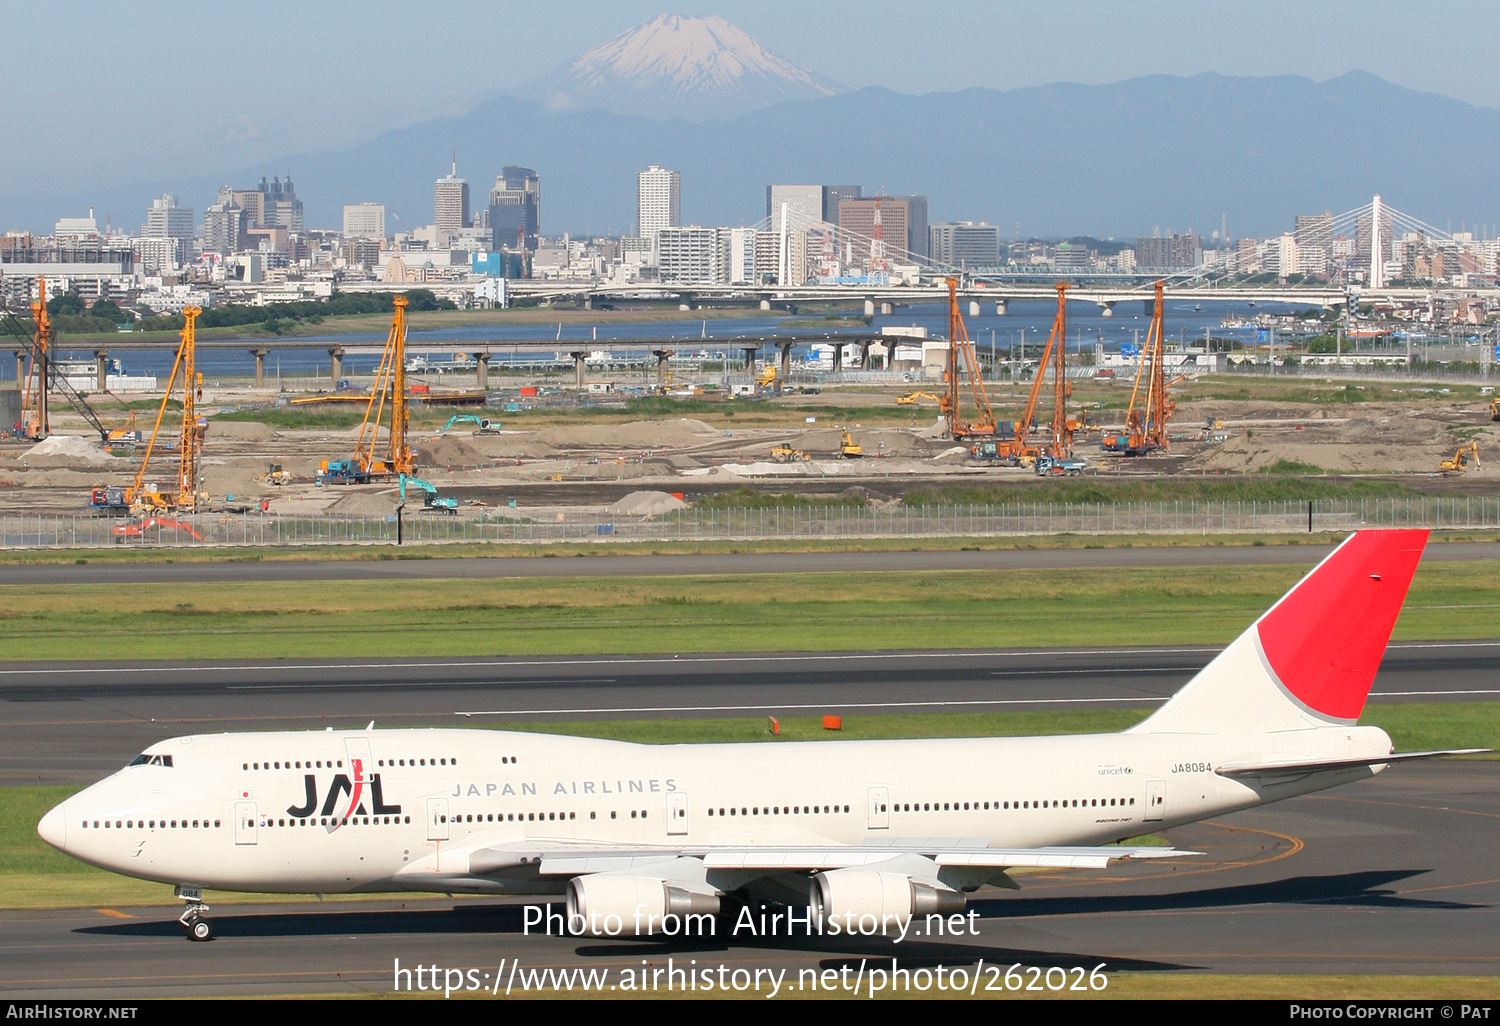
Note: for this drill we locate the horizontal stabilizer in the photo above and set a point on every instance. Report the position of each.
(1275, 768)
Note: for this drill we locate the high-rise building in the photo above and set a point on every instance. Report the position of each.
(692, 255)
(450, 202)
(857, 229)
(833, 195)
(916, 226)
(223, 224)
(282, 207)
(741, 267)
(658, 200)
(964, 244)
(804, 210)
(1171, 251)
(166, 220)
(364, 221)
(515, 209)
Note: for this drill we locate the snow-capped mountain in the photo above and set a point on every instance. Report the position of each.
(680, 67)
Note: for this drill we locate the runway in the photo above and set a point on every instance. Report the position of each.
(1393, 875)
(413, 565)
(76, 722)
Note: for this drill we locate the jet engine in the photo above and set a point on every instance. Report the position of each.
(604, 905)
(849, 895)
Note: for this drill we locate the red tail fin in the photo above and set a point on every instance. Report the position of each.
(1312, 657)
(1325, 638)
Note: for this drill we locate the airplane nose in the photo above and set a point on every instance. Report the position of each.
(54, 828)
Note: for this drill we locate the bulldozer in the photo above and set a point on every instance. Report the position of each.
(787, 454)
(275, 474)
(1466, 452)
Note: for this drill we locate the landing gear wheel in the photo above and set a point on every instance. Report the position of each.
(200, 930)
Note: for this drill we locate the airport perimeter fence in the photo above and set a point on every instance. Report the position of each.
(542, 525)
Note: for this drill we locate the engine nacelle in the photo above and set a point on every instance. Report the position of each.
(867, 901)
(605, 905)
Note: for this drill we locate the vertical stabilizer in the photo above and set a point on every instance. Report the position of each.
(1310, 659)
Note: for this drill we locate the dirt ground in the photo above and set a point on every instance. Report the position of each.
(594, 464)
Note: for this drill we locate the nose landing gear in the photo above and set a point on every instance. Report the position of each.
(192, 918)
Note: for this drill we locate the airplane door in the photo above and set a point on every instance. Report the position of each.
(437, 819)
(880, 808)
(1156, 799)
(245, 815)
(677, 812)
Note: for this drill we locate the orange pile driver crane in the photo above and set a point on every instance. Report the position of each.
(1146, 420)
(390, 380)
(1060, 446)
(190, 444)
(35, 424)
(959, 346)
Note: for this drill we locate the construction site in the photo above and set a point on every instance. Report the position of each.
(387, 449)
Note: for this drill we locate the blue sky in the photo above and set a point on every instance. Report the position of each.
(107, 93)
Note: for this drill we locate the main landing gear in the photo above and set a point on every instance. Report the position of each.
(192, 918)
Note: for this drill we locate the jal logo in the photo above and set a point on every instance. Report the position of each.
(344, 785)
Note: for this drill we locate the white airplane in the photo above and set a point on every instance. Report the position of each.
(635, 834)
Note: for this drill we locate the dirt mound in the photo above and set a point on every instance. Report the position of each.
(647, 504)
(365, 504)
(68, 452)
(450, 451)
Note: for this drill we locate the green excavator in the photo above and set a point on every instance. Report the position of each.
(431, 500)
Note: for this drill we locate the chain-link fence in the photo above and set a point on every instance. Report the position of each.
(708, 524)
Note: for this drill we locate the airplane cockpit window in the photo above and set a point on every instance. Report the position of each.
(151, 760)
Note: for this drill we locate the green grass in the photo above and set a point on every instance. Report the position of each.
(702, 613)
(1296, 467)
(33, 875)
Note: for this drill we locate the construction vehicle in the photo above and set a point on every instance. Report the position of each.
(431, 501)
(766, 380)
(187, 495)
(960, 348)
(910, 398)
(484, 424)
(43, 376)
(397, 456)
(1014, 442)
(786, 454)
(1466, 452)
(109, 500)
(342, 472)
(1495, 408)
(848, 449)
(158, 523)
(1146, 419)
(275, 474)
(1047, 465)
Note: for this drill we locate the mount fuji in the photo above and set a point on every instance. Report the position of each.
(695, 69)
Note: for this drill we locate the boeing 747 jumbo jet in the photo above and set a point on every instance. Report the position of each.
(636, 834)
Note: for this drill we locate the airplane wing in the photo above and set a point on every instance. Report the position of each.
(1273, 767)
(577, 861)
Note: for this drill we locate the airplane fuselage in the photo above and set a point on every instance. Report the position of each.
(387, 810)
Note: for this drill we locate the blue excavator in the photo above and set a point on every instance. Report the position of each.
(482, 425)
(431, 500)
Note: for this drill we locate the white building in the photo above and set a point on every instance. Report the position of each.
(658, 200)
(450, 202)
(76, 229)
(692, 255)
(364, 221)
(741, 256)
(166, 220)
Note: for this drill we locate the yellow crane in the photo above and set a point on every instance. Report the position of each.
(390, 380)
(35, 423)
(187, 495)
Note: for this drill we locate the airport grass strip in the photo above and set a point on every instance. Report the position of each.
(821, 612)
(35, 876)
